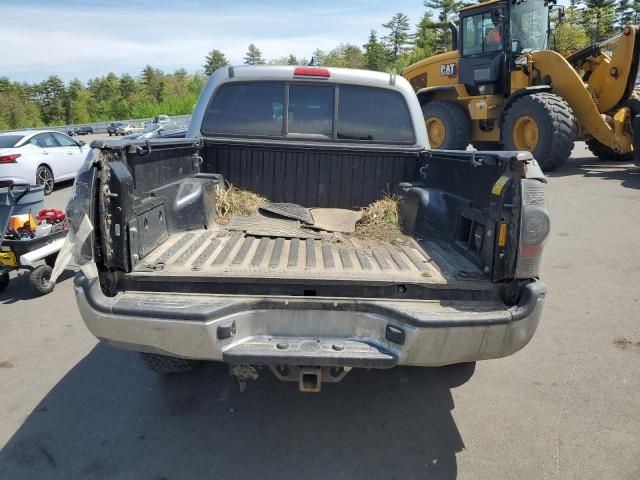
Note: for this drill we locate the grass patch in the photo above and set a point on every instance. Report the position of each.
(232, 200)
(380, 219)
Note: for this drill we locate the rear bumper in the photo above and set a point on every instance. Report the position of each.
(308, 330)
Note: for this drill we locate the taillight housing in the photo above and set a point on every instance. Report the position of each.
(9, 158)
(534, 229)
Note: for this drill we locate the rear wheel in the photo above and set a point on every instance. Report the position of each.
(543, 124)
(40, 279)
(607, 154)
(44, 177)
(165, 364)
(448, 125)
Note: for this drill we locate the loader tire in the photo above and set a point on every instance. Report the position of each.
(543, 124)
(164, 364)
(448, 125)
(607, 154)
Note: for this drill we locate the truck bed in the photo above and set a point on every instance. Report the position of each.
(229, 256)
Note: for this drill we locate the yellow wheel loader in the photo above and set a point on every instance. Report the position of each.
(502, 88)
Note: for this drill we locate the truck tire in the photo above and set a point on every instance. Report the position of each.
(40, 279)
(607, 154)
(543, 124)
(164, 364)
(448, 126)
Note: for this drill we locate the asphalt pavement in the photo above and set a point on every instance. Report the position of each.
(565, 407)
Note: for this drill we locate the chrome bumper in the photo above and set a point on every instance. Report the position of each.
(310, 330)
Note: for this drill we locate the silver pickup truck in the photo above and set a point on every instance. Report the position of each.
(160, 275)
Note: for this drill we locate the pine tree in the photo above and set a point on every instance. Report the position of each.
(375, 55)
(398, 37)
(426, 37)
(253, 56)
(599, 18)
(447, 10)
(624, 13)
(215, 59)
(635, 9)
(319, 56)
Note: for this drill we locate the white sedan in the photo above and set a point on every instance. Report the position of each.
(41, 157)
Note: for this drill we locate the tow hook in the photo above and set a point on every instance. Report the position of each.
(309, 378)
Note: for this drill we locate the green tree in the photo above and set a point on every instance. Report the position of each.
(253, 56)
(288, 60)
(215, 59)
(426, 37)
(127, 85)
(375, 55)
(635, 11)
(50, 96)
(319, 56)
(573, 13)
(447, 11)
(570, 37)
(599, 19)
(398, 36)
(154, 82)
(624, 13)
(80, 108)
(345, 55)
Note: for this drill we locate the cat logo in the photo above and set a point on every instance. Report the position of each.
(448, 70)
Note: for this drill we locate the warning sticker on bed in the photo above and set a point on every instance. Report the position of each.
(499, 185)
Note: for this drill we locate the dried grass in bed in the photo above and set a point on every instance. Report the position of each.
(380, 220)
(232, 200)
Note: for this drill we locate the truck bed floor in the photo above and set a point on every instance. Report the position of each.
(237, 256)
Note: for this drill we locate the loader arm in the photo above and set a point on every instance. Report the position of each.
(605, 86)
(566, 83)
(612, 78)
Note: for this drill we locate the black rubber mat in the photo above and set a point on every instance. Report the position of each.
(261, 226)
(289, 210)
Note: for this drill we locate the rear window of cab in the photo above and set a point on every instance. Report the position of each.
(309, 111)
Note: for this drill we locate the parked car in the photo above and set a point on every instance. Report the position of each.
(155, 130)
(127, 129)
(161, 119)
(113, 128)
(41, 157)
(80, 131)
(459, 283)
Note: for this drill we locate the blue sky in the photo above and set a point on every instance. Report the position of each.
(85, 39)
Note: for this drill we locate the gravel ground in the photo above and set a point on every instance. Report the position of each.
(566, 407)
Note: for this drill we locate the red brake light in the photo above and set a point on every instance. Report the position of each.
(9, 158)
(311, 72)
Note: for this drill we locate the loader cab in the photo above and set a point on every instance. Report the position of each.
(483, 45)
(492, 34)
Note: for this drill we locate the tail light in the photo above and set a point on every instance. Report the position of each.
(311, 72)
(534, 229)
(9, 158)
